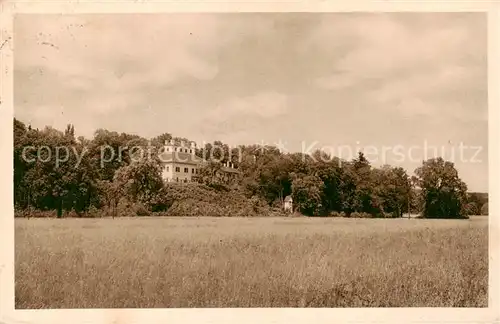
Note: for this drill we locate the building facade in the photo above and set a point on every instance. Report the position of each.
(180, 163)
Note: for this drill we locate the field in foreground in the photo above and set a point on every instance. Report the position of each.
(250, 262)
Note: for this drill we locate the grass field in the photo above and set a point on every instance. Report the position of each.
(250, 262)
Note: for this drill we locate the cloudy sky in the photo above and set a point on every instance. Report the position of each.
(399, 80)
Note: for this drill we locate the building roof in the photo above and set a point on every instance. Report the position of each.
(230, 170)
(180, 157)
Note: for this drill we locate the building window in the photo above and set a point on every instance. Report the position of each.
(175, 149)
(168, 168)
(168, 149)
(192, 171)
(186, 170)
(190, 151)
(177, 169)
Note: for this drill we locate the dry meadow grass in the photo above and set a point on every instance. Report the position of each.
(250, 262)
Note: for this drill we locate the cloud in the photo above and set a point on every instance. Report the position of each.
(116, 63)
(108, 60)
(261, 105)
(337, 82)
(114, 45)
(386, 43)
(237, 116)
(429, 59)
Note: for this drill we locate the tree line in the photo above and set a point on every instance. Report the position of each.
(68, 176)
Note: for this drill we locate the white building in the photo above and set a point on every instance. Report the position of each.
(180, 163)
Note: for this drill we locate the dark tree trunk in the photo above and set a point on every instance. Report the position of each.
(59, 208)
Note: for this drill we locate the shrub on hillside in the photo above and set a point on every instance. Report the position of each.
(140, 209)
(71, 214)
(337, 214)
(484, 209)
(361, 215)
(32, 213)
(472, 209)
(131, 209)
(383, 214)
(94, 212)
(194, 199)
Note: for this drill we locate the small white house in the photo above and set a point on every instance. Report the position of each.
(288, 204)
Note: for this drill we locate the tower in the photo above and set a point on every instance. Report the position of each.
(169, 146)
(193, 148)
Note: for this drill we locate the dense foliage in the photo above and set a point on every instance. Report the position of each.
(445, 195)
(120, 174)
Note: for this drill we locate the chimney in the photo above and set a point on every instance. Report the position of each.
(192, 148)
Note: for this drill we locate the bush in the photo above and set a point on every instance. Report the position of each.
(140, 210)
(472, 209)
(361, 215)
(93, 212)
(278, 212)
(71, 214)
(382, 214)
(194, 199)
(32, 213)
(484, 209)
(125, 208)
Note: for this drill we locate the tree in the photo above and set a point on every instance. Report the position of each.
(110, 193)
(139, 181)
(307, 194)
(363, 194)
(392, 190)
(159, 141)
(21, 193)
(111, 150)
(109, 170)
(210, 174)
(329, 170)
(444, 194)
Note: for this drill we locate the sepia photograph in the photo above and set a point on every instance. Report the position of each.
(250, 160)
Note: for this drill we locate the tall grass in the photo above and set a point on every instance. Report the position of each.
(250, 262)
